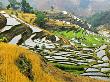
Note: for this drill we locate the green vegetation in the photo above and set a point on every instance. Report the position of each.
(66, 34)
(25, 66)
(1, 5)
(26, 7)
(83, 37)
(107, 51)
(92, 40)
(74, 69)
(23, 5)
(13, 4)
(40, 19)
(3, 39)
(99, 19)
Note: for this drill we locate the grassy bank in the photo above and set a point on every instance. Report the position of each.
(81, 37)
(74, 69)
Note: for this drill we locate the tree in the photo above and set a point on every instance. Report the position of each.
(13, 4)
(26, 6)
(40, 19)
(52, 8)
(1, 5)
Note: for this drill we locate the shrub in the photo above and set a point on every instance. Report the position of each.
(40, 19)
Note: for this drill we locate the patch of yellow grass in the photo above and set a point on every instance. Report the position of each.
(11, 11)
(11, 73)
(61, 23)
(29, 18)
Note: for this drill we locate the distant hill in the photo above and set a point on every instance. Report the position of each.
(101, 22)
(99, 19)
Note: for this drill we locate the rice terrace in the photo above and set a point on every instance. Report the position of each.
(54, 41)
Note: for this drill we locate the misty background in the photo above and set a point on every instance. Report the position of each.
(79, 7)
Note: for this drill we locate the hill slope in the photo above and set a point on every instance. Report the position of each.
(55, 49)
(19, 27)
(20, 65)
(73, 28)
(101, 22)
(99, 19)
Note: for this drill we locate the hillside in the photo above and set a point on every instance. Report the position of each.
(101, 22)
(73, 28)
(21, 65)
(50, 41)
(104, 30)
(99, 19)
(68, 45)
(20, 27)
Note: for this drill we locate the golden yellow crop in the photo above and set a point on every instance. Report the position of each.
(9, 71)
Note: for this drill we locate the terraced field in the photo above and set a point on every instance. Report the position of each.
(94, 61)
